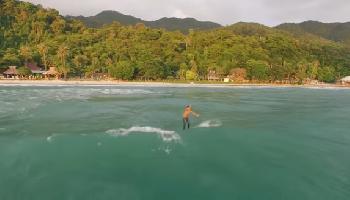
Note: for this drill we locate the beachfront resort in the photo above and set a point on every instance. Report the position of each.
(31, 71)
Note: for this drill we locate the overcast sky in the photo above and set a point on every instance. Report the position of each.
(225, 12)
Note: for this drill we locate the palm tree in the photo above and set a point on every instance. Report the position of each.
(80, 61)
(62, 54)
(43, 50)
(26, 53)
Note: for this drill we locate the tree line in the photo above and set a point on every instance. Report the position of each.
(30, 33)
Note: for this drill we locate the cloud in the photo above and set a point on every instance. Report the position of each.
(269, 12)
(179, 14)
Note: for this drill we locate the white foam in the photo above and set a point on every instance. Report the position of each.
(21, 102)
(168, 85)
(165, 135)
(167, 150)
(124, 91)
(210, 124)
(50, 138)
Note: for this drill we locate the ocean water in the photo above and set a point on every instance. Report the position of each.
(114, 142)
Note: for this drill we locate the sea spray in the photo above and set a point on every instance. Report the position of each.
(165, 135)
(210, 124)
(50, 138)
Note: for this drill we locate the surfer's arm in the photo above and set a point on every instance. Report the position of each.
(195, 114)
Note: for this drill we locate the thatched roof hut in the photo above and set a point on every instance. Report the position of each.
(345, 80)
(11, 71)
(238, 74)
(52, 71)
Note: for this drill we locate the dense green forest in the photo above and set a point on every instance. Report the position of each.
(32, 33)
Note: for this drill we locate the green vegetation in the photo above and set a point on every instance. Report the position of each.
(24, 71)
(32, 33)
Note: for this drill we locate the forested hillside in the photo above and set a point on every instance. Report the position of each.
(171, 24)
(338, 32)
(32, 33)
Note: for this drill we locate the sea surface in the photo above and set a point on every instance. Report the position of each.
(127, 142)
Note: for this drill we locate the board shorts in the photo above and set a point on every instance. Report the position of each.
(185, 122)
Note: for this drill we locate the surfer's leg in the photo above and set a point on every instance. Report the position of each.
(183, 123)
(188, 123)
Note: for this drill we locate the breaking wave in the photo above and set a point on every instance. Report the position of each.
(165, 135)
(210, 124)
(67, 93)
(20, 101)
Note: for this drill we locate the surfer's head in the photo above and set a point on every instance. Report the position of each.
(188, 107)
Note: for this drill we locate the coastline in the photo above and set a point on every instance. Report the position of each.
(158, 84)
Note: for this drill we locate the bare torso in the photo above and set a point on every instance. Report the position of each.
(186, 113)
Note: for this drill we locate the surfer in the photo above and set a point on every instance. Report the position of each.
(186, 116)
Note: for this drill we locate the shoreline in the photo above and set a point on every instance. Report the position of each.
(158, 84)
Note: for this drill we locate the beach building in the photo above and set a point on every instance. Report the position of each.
(11, 72)
(238, 75)
(52, 72)
(345, 80)
(99, 76)
(213, 76)
(35, 69)
(311, 81)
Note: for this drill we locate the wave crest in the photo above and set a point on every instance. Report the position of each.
(165, 135)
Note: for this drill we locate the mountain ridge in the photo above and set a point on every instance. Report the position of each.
(169, 23)
(337, 31)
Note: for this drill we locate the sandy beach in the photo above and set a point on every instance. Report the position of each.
(156, 84)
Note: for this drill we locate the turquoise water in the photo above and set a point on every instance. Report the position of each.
(109, 142)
